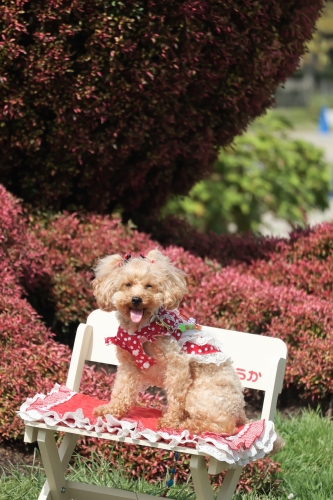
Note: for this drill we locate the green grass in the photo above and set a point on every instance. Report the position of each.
(22, 482)
(307, 465)
(306, 462)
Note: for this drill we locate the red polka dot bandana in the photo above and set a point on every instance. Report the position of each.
(165, 323)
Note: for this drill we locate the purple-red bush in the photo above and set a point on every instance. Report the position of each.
(21, 253)
(229, 297)
(122, 103)
(305, 262)
(74, 244)
(232, 300)
(30, 359)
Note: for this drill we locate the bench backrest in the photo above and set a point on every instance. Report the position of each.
(259, 360)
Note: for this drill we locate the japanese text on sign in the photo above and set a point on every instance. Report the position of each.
(248, 375)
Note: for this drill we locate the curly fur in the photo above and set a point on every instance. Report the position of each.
(201, 397)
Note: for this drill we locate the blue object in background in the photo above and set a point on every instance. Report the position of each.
(323, 126)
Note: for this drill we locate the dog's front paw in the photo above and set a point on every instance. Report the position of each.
(101, 411)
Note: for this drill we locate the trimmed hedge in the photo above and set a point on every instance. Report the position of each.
(229, 297)
(107, 104)
(30, 359)
(304, 262)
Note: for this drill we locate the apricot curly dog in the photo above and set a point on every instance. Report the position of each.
(156, 346)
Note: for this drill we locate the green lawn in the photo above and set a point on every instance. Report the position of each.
(306, 462)
(307, 465)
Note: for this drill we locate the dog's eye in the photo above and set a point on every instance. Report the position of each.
(149, 286)
(128, 284)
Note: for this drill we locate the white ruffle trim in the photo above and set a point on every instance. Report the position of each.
(60, 397)
(123, 428)
(217, 358)
(198, 338)
(261, 447)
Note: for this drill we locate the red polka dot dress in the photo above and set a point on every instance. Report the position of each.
(195, 343)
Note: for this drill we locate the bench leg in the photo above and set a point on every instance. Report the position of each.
(229, 484)
(30, 434)
(66, 448)
(45, 494)
(202, 486)
(55, 463)
(201, 482)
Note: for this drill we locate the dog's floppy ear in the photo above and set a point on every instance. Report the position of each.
(106, 272)
(172, 280)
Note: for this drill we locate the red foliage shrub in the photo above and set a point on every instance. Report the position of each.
(305, 262)
(228, 297)
(21, 253)
(30, 359)
(236, 301)
(121, 103)
(74, 244)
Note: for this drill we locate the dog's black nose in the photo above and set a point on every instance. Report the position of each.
(136, 301)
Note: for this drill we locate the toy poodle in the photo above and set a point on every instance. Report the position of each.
(157, 346)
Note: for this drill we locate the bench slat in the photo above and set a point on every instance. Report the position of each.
(112, 437)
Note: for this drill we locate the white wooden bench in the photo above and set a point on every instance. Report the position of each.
(260, 362)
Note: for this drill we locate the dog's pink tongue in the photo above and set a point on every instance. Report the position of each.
(136, 315)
